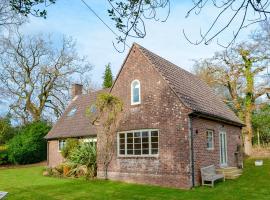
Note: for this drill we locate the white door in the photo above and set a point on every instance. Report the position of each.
(223, 148)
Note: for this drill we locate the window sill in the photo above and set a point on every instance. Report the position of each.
(138, 156)
(135, 104)
(210, 149)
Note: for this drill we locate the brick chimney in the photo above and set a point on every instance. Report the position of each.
(76, 89)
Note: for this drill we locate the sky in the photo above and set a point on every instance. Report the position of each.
(95, 40)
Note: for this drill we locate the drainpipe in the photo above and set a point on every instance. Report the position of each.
(192, 152)
(47, 152)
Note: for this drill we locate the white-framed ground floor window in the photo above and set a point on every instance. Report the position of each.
(138, 143)
(89, 140)
(61, 144)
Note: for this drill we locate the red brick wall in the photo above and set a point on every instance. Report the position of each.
(159, 109)
(204, 157)
(54, 156)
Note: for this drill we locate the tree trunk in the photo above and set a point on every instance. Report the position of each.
(106, 172)
(36, 118)
(247, 145)
(248, 131)
(258, 138)
(249, 101)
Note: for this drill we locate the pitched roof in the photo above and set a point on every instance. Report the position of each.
(191, 90)
(74, 122)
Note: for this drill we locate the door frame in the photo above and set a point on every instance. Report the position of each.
(224, 141)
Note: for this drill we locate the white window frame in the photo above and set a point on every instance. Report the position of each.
(132, 83)
(212, 133)
(59, 141)
(90, 140)
(142, 155)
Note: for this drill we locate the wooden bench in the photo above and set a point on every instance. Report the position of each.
(209, 174)
(3, 195)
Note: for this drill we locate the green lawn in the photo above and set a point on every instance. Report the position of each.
(28, 183)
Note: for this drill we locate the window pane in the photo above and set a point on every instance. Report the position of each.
(209, 139)
(154, 139)
(122, 146)
(122, 136)
(61, 144)
(137, 134)
(122, 152)
(154, 133)
(145, 140)
(122, 141)
(129, 135)
(72, 112)
(136, 97)
(135, 92)
(145, 145)
(137, 151)
(137, 146)
(129, 140)
(130, 152)
(145, 134)
(154, 151)
(145, 151)
(154, 145)
(129, 146)
(137, 140)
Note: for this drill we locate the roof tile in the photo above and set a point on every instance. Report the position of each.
(79, 124)
(191, 90)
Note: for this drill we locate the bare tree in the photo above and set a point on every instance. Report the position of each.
(36, 74)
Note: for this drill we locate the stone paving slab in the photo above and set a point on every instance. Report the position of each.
(3, 195)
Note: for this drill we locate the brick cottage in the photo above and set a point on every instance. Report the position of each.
(172, 125)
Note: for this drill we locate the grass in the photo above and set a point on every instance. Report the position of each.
(28, 183)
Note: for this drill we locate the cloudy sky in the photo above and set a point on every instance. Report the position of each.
(94, 40)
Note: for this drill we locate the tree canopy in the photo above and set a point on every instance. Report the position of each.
(261, 124)
(107, 77)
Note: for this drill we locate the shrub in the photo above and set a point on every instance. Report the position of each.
(3, 155)
(6, 130)
(71, 144)
(47, 171)
(83, 157)
(29, 145)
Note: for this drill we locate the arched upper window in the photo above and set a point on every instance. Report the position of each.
(135, 92)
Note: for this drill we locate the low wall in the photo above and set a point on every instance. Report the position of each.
(260, 152)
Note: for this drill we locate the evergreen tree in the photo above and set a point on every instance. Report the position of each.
(108, 77)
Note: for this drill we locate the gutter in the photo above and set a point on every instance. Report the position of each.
(216, 118)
